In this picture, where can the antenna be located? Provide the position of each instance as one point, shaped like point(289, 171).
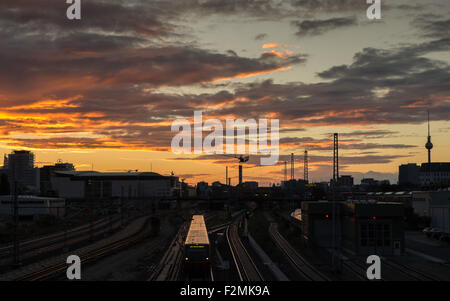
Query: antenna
point(305, 167)
point(226, 176)
point(285, 171)
point(292, 166)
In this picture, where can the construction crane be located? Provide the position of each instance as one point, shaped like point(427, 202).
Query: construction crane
point(242, 159)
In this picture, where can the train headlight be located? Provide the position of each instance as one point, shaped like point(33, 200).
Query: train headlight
point(186, 259)
point(207, 258)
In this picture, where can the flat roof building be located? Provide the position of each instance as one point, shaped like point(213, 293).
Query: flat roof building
point(82, 185)
point(20, 169)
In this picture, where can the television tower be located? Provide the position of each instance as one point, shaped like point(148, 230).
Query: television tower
point(429, 145)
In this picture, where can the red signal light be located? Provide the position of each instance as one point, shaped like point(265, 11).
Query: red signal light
point(374, 217)
point(327, 216)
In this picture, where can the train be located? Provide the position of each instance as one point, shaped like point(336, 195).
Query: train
point(196, 247)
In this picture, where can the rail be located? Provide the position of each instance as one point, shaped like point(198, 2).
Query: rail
point(245, 266)
point(300, 264)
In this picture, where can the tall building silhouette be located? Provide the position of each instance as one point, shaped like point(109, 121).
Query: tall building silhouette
point(20, 168)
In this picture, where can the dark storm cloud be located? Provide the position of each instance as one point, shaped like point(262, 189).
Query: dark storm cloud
point(108, 84)
point(369, 134)
point(331, 5)
point(318, 27)
point(430, 26)
point(115, 43)
point(380, 87)
point(267, 9)
point(153, 66)
point(116, 16)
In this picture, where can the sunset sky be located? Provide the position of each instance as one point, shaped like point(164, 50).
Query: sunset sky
point(104, 90)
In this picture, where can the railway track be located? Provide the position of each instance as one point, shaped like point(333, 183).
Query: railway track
point(355, 269)
point(245, 266)
point(36, 247)
point(211, 274)
point(169, 268)
point(415, 274)
point(57, 269)
point(302, 266)
point(218, 228)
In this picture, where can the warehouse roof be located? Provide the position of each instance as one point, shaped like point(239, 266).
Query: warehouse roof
point(109, 175)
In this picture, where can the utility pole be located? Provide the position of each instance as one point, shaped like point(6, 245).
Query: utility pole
point(292, 166)
point(305, 165)
point(306, 174)
point(240, 174)
point(91, 205)
point(285, 171)
point(121, 206)
point(16, 221)
point(336, 158)
point(226, 176)
point(65, 247)
point(335, 256)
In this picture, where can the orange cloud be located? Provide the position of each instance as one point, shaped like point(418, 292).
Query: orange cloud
point(250, 74)
point(279, 54)
point(270, 45)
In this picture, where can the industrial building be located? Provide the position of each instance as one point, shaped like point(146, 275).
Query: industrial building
point(84, 185)
point(32, 206)
point(364, 227)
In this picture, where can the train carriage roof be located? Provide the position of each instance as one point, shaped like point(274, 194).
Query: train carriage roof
point(198, 234)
